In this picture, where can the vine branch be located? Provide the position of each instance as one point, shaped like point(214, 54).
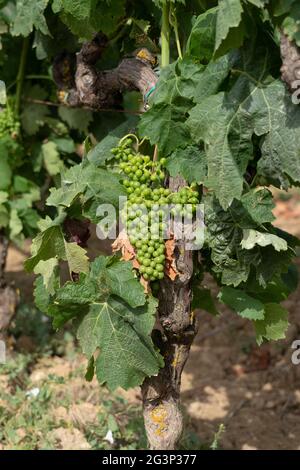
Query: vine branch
point(103, 89)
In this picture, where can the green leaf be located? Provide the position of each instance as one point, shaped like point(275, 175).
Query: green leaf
point(253, 237)
point(101, 153)
point(278, 119)
point(33, 117)
point(41, 295)
point(201, 42)
point(73, 183)
point(76, 118)
point(163, 125)
point(76, 258)
point(259, 205)
point(124, 284)
point(290, 24)
point(177, 83)
point(80, 9)
point(226, 132)
point(229, 18)
point(98, 15)
point(47, 244)
point(3, 196)
point(274, 325)
point(15, 224)
point(64, 145)
point(245, 305)
point(202, 299)
point(29, 15)
point(127, 354)
point(51, 158)
point(47, 269)
point(230, 262)
point(188, 162)
point(214, 74)
point(51, 244)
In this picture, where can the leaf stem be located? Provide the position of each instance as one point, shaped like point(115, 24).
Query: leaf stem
point(174, 23)
point(165, 35)
point(21, 72)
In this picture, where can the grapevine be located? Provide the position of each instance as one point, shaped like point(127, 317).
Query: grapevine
point(151, 108)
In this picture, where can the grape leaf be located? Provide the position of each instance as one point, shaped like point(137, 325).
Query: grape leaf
point(47, 271)
point(278, 119)
point(259, 205)
point(80, 9)
point(201, 42)
point(253, 237)
point(232, 264)
point(122, 334)
point(15, 224)
point(51, 158)
point(76, 118)
point(51, 244)
point(188, 162)
point(33, 117)
point(290, 24)
point(274, 325)
point(245, 305)
point(212, 77)
point(76, 257)
point(97, 186)
point(163, 123)
point(225, 129)
point(29, 15)
point(123, 283)
point(228, 26)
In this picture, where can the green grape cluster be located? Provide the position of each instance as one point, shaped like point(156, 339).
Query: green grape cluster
point(9, 124)
point(143, 179)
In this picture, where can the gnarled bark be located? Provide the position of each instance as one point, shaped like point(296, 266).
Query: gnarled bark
point(161, 394)
point(290, 70)
point(102, 89)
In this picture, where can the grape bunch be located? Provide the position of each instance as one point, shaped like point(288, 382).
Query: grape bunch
point(145, 213)
point(9, 124)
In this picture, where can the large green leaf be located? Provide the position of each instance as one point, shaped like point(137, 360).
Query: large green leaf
point(30, 14)
point(229, 26)
point(122, 335)
point(278, 120)
point(231, 262)
point(96, 185)
point(245, 305)
point(189, 162)
point(164, 122)
point(201, 42)
point(51, 244)
point(221, 123)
